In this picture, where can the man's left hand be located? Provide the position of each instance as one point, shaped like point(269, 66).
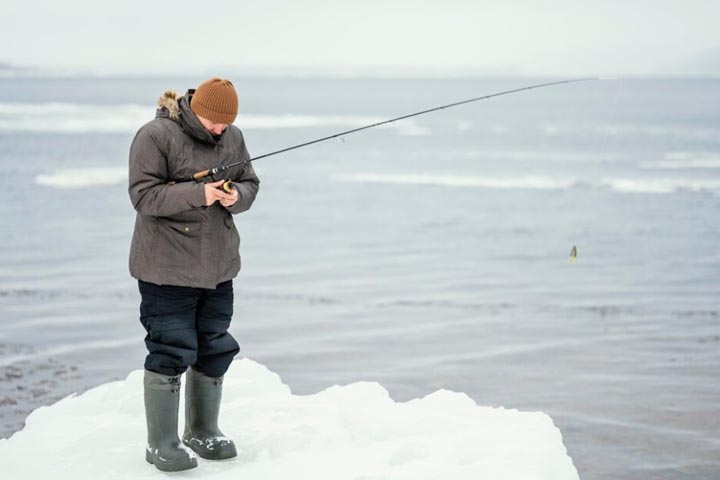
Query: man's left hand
point(227, 203)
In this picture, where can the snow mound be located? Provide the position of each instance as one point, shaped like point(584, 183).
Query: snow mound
point(354, 432)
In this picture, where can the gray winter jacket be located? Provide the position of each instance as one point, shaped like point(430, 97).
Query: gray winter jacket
point(177, 240)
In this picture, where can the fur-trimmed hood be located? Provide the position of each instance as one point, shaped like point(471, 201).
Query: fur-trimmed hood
point(176, 107)
point(169, 101)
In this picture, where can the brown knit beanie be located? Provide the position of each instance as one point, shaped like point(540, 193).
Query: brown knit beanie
point(216, 100)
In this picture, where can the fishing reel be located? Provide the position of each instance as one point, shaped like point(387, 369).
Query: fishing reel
point(227, 187)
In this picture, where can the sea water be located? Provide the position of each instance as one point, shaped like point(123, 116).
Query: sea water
point(430, 253)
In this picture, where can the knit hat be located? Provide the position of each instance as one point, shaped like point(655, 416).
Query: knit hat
point(216, 100)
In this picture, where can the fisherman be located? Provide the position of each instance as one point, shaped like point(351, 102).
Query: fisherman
point(184, 254)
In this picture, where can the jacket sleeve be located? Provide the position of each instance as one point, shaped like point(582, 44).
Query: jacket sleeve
point(148, 176)
point(246, 183)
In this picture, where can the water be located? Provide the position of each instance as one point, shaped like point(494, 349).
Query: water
point(429, 254)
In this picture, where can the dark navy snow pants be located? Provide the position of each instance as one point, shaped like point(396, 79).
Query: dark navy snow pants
point(187, 327)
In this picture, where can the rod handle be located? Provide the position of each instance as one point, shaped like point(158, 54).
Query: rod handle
point(200, 175)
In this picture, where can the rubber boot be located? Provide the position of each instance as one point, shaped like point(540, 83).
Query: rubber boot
point(202, 407)
point(162, 401)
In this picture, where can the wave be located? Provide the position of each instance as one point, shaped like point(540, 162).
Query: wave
point(529, 182)
point(72, 118)
point(685, 160)
point(682, 165)
point(620, 185)
point(661, 185)
point(548, 156)
point(83, 177)
point(678, 131)
point(83, 118)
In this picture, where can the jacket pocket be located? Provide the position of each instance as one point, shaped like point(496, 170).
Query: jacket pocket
point(179, 242)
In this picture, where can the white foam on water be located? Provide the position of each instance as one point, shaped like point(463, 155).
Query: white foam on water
point(679, 131)
point(620, 185)
point(530, 182)
point(522, 155)
point(685, 160)
point(661, 185)
point(83, 177)
point(681, 164)
point(73, 118)
point(349, 432)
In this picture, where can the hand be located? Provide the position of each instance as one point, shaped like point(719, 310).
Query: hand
point(213, 194)
point(227, 203)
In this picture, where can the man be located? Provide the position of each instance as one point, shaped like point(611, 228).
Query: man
point(184, 254)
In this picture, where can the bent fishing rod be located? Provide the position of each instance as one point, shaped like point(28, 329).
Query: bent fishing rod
point(212, 172)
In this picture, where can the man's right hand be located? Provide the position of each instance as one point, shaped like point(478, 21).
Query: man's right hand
point(213, 193)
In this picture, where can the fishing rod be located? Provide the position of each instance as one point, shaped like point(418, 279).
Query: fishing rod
point(212, 172)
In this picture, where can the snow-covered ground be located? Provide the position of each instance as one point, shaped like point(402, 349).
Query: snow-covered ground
point(354, 431)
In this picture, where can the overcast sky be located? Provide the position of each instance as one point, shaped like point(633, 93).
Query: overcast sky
point(604, 37)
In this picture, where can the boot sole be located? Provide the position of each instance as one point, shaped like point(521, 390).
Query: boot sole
point(169, 466)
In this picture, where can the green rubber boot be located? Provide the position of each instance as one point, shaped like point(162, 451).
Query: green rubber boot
point(162, 401)
point(202, 407)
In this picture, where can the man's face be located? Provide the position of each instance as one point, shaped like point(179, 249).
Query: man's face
point(213, 128)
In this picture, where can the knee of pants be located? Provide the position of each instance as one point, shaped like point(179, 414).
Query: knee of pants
point(215, 355)
point(169, 359)
point(171, 350)
point(217, 344)
point(213, 336)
